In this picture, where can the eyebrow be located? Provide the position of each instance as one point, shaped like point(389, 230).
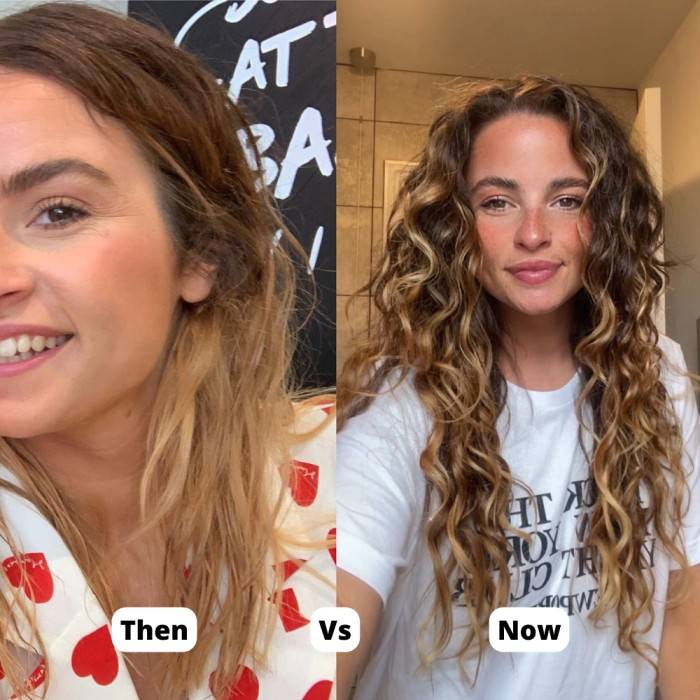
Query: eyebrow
point(507, 184)
point(35, 175)
point(493, 181)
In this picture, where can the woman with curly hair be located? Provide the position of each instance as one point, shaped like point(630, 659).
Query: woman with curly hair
point(152, 452)
point(515, 431)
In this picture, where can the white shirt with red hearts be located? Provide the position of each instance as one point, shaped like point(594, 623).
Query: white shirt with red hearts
point(381, 514)
point(82, 660)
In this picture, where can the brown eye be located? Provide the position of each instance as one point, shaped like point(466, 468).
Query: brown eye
point(495, 204)
point(59, 215)
point(570, 202)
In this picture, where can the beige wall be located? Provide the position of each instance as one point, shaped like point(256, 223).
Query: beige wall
point(677, 73)
point(384, 115)
point(8, 7)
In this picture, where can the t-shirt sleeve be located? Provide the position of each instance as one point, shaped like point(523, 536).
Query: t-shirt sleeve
point(683, 397)
point(380, 491)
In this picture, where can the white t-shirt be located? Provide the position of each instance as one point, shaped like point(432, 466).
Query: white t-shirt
point(381, 495)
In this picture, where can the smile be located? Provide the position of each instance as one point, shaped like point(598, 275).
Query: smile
point(23, 360)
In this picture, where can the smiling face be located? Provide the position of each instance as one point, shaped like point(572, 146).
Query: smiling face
point(526, 190)
point(85, 251)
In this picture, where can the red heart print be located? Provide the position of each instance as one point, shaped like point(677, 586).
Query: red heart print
point(34, 569)
point(247, 687)
point(319, 691)
point(289, 566)
point(289, 613)
point(36, 678)
point(327, 409)
point(303, 481)
point(94, 655)
point(331, 536)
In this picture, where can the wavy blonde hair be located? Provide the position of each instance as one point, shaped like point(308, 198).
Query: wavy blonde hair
point(431, 316)
point(223, 414)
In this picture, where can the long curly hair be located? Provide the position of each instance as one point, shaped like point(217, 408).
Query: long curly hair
point(432, 318)
point(223, 416)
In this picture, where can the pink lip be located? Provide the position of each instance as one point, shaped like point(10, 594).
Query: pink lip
point(10, 369)
point(535, 271)
point(10, 330)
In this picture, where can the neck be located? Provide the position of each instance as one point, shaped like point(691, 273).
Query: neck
point(99, 464)
point(536, 352)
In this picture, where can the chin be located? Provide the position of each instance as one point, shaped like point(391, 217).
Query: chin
point(538, 309)
point(536, 303)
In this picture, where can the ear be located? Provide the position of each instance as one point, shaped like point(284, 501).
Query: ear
point(196, 282)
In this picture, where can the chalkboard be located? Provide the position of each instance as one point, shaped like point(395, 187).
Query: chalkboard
point(277, 59)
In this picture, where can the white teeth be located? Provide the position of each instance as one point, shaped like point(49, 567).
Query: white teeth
point(8, 347)
point(25, 346)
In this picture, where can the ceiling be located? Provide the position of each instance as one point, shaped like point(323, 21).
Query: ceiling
point(611, 43)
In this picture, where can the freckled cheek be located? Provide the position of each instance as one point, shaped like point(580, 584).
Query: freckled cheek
point(586, 235)
point(489, 248)
point(493, 243)
point(579, 241)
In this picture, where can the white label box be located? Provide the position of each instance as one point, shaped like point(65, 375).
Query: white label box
point(334, 629)
point(529, 629)
point(154, 629)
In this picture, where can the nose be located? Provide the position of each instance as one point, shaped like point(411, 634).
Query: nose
point(16, 279)
point(532, 232)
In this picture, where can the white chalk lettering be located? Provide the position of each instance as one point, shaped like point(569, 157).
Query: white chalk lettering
point(239, 10)
point(264, 138)
point(249, 67)
point(195, 18)
point(307, 144)
point(315, 248)
point(281, 43)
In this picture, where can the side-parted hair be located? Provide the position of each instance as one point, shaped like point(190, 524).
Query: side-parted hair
point(432, 318)
point(223, 412)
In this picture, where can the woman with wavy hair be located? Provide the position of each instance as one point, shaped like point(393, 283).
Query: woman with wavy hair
point(151, 451)
point(515, 431)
